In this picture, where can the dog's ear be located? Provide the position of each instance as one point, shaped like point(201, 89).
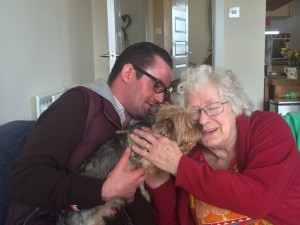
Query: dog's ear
point(169, 126)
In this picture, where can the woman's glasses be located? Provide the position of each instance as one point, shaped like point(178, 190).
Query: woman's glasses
point(158, 85)
point(212, 109)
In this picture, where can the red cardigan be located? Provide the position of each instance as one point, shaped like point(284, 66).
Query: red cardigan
point(267, 185)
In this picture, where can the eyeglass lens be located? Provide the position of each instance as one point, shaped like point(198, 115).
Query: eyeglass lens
point(213, 109)
point(158, 86)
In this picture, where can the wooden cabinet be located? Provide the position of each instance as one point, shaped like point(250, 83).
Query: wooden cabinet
point(274, 88)
point(284, 10)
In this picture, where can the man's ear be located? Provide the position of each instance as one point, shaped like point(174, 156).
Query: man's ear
point(127, 73)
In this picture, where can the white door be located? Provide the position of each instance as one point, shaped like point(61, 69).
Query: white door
point(180, 48)
point(114, 30)
point(179, 35)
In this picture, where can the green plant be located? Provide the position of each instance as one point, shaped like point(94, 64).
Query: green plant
point(291, 54)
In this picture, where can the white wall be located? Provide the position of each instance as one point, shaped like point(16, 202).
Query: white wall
point(137, 10)
point(239, 44)
point(50, 44)
point(199, 30)
point(100, 39)
point(45, 45)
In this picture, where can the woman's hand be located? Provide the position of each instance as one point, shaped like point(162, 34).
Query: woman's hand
point(161, 151)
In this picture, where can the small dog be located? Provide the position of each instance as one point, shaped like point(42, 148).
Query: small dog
point(177, 123)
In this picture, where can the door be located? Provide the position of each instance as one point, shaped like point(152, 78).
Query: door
point(178, 36)
point(180, 45)
point(114, 31)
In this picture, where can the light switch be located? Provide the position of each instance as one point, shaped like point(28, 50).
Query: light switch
point(158, 30)
point(234, 12)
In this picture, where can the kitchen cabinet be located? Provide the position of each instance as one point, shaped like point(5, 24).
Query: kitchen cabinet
point(284, 10)
point(275, 4)
point(275, 87)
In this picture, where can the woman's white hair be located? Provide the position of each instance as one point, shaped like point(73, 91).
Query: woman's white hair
point(194, 79)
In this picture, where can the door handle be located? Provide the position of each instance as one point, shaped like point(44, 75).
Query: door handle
point(106, 55)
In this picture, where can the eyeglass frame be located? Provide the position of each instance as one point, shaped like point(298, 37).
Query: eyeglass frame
point(157, 81)
point(204, 108)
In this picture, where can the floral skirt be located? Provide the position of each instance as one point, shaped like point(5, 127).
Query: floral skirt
point(205, 214)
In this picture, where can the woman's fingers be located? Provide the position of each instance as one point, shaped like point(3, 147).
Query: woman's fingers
point(147, 129)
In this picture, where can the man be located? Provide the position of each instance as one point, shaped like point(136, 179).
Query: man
point(71, 129)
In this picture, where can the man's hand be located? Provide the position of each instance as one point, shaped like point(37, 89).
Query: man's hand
point(122, 182)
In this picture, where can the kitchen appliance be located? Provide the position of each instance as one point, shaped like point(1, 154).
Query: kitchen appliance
point(279, 41)
point(283, 106)
point(273, 45)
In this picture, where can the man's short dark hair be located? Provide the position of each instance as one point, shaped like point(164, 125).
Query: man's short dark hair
point(141, 55)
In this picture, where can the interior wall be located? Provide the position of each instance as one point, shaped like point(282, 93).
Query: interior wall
point(240, 43)
point(137, 10)
point(199, 30)
point(50, 44)
point(158, 22)
point(100, 38)
point(45, 45)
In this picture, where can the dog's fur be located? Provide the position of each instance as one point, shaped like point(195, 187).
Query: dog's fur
point(177, 123)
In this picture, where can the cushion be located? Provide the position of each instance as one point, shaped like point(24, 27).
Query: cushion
point(12, 138)
point(293, 120)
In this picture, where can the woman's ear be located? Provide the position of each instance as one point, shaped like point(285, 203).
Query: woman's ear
point(127, 73)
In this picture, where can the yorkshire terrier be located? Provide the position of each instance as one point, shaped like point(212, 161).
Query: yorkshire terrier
point(172, 121)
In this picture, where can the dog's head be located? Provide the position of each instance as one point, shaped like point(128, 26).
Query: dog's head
point(178, 124)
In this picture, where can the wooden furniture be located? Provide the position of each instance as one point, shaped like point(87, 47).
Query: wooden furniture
point(284, 10)
point(275, 4)
point(278, 65)
point(275, 87)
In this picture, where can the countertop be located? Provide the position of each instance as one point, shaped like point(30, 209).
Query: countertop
point(285, 101)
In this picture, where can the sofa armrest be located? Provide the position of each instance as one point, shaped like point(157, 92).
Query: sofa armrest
point(12, 138)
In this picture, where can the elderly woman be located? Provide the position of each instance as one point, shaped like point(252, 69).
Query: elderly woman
point(245, 169)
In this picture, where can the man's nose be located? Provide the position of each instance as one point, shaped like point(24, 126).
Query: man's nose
point(159, 98)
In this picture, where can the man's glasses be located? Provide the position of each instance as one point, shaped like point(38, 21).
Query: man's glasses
point(158, 85)
point(212, 109)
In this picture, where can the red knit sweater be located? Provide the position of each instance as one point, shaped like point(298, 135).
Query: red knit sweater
point(267, 185)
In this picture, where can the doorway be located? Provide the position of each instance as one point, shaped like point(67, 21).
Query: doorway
point(147, 24)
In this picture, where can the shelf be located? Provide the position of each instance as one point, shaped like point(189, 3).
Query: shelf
point(283, 81)
point(274, 88)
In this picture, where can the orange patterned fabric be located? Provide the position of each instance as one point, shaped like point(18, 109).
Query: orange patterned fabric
point(205, 214)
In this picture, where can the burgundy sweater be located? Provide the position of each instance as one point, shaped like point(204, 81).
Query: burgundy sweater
point(267, 185)
point(42, 174)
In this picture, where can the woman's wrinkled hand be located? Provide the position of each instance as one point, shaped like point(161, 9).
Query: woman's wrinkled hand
point(161, 151)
